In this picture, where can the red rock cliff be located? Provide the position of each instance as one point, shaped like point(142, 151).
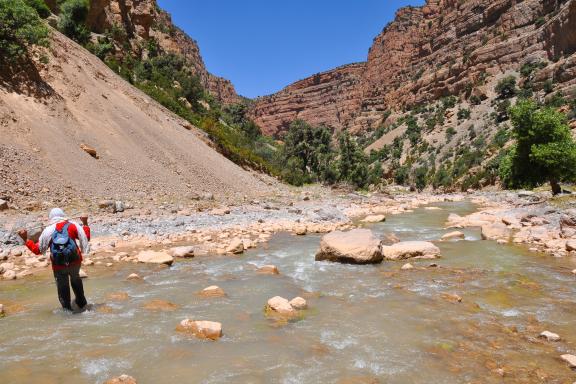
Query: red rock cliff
point(442, 48)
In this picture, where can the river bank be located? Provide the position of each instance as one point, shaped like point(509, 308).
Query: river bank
point(527, 218)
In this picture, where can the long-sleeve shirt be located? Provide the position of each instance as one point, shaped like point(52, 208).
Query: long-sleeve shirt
point(80, 237)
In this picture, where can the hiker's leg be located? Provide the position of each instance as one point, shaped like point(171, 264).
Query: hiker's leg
point(77, 286)
point(63, 286)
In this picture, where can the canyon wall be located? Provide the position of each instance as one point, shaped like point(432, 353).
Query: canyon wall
point(446, 47)
point(143, 20)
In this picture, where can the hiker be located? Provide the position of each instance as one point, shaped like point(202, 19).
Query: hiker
point(65, 254)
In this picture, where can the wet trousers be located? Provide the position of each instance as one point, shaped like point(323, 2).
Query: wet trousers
point(66, 277)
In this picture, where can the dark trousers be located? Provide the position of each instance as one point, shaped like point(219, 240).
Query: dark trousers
point(66, 277)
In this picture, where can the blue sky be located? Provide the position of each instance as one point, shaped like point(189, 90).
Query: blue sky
point(264, 45)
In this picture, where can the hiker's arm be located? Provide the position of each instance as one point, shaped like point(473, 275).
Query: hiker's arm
point(83, 240)
point(86, 228)
point(32, 246)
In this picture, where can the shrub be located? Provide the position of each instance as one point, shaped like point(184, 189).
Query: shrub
point(548, 86)
point(450, 132)
point(72, 21)
point(501, 137)
point(420, 178)
point(506, 87)
point(463, 114)
point(401, 175)
point(40, 7)
point(501, 112)
point(352, 163)
point(20, 27)
point(475, 100)
point(540, 21)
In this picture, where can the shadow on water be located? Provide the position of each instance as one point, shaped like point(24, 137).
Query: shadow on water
point(365, 323)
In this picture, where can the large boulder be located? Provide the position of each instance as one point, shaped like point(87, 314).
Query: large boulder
point(496, 231)
point(411, 250)
point(358, 246)
point(184, 252)
point(153, 257)
point(201, 329)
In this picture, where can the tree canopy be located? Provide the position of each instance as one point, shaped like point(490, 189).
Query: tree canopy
point(20, 27)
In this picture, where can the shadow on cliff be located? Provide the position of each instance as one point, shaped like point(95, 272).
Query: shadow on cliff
point(22, 77)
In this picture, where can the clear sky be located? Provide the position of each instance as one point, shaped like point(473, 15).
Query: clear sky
point(264, 45)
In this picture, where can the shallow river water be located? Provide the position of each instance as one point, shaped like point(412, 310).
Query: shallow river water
point(365, 324)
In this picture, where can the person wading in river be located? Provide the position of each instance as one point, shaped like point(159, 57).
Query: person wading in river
point(62, 237)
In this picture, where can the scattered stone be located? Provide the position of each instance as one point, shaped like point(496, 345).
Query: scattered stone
point(571, 245)
point(88, 262)
point(153, 257)
point(82, 274)
point(298, 303)
point(358, 246)
point(89, 150)
point(300, 230)
point(456, 235)
point(452, 297)
point(104, 204)
point(122, 379)
point(213, 291)
point(371, 219)
point(574, 272)
point(570, 359)
point(133, 277)
point(281, 306)
point(183, 252)
point(2, 314)
point(496, 231)
point(202, 329)
point(16, 252)
point(269, 270)
point(550, 336)
point(3, 205)
point(411, 249)
point(236, 246)
point(119, 207)
point(160, 305)
point(9, 275)
point(109, 265)
point(117, 296)
point(407, 266)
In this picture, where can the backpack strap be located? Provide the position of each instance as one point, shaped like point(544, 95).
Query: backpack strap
point(64, 228)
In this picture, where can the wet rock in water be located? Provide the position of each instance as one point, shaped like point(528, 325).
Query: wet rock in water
point(300, 230)
point(571, 245)
point(570, 359)
point(496, 231)
point(82, 274)
point(411, 249)
point(160, 305)
point(117, 296)
point(269, 270)
point(298, 303)
point(134, 277)
point(358, 246)
point(183, 252)
point(122, 379)
point(202, 329)
point(452, 297)
point(374, 219)
point(2, 314)
point(433, 208)
point(281, 306)
point(550, 336)
point(213, 291)
point(456, 235)
point(574, 272)
point(236, 246)
point(389, 239)
point(153, 257)
point(407, 267)
point(88, 262)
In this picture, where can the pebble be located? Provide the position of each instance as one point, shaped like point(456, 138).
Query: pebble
point(550, 336)
point(122, 379)
point(133, 276)
point(109, 264)
point(574, 272)
point(298, 303)
point(82, 274)
point(269, 269)
point(213, 291)
point(2, 310)
point(201, 329)
point(407, 266)
point(9, 275)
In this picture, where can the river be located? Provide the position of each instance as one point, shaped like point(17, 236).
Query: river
point(365, 324)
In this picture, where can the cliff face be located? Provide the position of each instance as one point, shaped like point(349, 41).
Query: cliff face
point(446, 47)
point(142, 20)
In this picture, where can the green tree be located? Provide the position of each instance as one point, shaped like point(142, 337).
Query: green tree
point(20, 27)
point(353, 163)
point(544, 151)
point(420, 178)
point(72, 21)
point(40, 7)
